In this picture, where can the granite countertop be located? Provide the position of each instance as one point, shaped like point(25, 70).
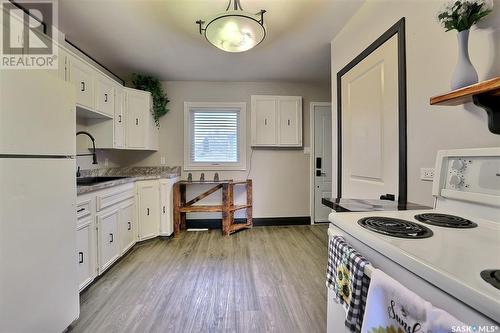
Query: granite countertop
point(132, 174)
point(368, 205)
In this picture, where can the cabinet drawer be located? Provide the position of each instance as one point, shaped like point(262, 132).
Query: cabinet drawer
point(115, 196)
point(83, 209)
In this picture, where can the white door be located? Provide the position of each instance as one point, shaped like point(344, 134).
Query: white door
point(109, 249)
point(322, 160)
point(290, 118)
point(148, 209)
point(82, 78)
point(370, 125)
point(264, 117)
point(84, 248)
point(119, 120)
point(127, 226)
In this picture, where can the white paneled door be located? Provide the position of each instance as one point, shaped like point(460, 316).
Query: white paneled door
point(322, 159)
point(370, 125)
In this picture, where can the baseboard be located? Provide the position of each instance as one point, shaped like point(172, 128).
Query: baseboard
point(257, 222)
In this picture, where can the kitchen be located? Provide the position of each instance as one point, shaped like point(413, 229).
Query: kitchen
point(128, 212)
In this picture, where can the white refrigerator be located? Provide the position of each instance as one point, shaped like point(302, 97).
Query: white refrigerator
point(38, 260)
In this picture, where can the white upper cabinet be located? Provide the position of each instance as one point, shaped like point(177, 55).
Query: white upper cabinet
point(276, 121)
point(141, 131)
point(119, 118)
point(137, 106)
point(81, 75)
point(264, 114)
point(290, 121)
point(104, 95)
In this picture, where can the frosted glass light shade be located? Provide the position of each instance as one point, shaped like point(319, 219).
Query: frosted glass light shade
point(235, 31)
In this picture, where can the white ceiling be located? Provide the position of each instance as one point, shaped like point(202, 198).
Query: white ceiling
point(160, 37)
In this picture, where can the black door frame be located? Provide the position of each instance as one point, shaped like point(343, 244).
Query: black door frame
point(399, 30)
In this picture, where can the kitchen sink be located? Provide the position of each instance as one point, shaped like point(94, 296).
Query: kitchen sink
point(87, 181)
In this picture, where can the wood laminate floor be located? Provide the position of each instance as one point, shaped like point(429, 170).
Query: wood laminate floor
point(267, 279)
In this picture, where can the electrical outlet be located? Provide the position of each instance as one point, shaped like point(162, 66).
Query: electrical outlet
point(163, 160)
point(427, 174)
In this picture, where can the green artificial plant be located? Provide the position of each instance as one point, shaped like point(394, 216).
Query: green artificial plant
point(153, 85)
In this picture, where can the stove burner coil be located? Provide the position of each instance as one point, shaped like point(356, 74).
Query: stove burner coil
point(445, 220)
point(395, 227)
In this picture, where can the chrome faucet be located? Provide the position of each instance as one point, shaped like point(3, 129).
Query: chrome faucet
point(94, 156)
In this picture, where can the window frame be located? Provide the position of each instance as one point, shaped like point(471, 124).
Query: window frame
point(190, 165)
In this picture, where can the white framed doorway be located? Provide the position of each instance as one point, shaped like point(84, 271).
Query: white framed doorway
point(321, 163)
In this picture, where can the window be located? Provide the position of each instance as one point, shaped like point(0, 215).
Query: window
point(214, 136)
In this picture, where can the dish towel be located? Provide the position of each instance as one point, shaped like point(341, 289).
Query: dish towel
point(345, 276)
point(392, 308)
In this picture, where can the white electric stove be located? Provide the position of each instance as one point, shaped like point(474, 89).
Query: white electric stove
point(449, 255)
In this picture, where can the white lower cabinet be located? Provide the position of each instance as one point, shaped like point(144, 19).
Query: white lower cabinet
point(166, 213)
point(148, 208)
point(128, 228)
point(107, 235)
point(85, 250)
point(112, 220)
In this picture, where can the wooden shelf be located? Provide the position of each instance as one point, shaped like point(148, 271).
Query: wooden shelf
point(484, 94)
point(464, 95)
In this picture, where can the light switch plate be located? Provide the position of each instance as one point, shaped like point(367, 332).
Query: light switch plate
point(427, 174)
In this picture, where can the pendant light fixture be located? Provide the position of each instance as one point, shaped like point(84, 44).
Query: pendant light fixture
point(234, 30)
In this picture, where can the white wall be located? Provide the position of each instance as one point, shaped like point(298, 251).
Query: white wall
point(431, 56)
point(280, 177)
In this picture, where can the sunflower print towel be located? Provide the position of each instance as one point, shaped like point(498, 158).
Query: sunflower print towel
point(345, 276)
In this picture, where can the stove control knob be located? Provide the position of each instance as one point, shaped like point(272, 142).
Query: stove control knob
point(456, 181)
point(458, 165)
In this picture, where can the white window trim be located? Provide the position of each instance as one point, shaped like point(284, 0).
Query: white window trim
point(193, 166)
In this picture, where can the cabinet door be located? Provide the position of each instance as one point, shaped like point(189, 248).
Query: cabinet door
point(290, 119)
point(264, 114)
point(104, 95)
point(109, 249)
point(119, 120)
point(85, 250)
point(148, 209)
point(166, 223)
point(81, 75)
point(137, 108)
point(128, 230)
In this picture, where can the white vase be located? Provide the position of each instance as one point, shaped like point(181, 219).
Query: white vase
point(465, 74)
